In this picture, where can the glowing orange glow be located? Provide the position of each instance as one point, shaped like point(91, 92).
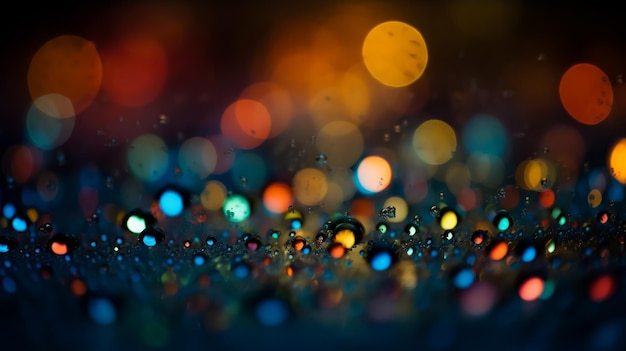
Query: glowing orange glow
point(586, 93)
point(602, 288)
point(547, 198)
point(78, 287)
point(337, 250)
point(246, 122)
point(499, 251)
point(395, 53)
point(135, 71)
point(276, 99)
point(617, 161)
point(59, 248)
point(531, 289)
point(277, 197)
point(67, 65)
point(374, 174)
point(298, 245)
point(362, 207)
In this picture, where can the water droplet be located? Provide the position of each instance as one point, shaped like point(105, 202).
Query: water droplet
point(210, 240)
point(545, 183)
point(163, 119)
point(397, 128)
point(7, 243)
point(386, 137)
point(151, 236)
point(479, 236)
point(434, 211)
point(387, 212)
point(321, 160)
point(62, 244)
point(347, 230)
point(46, 227)
point(541, 57)
point(501, 193)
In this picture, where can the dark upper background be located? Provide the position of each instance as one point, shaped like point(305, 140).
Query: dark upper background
point(230, 34)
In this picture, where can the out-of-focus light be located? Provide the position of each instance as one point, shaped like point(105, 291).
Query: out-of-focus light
point(148, 157)
point(247, 123)
point(271, 312)
point(478, 299)
point(547, 198)
point(498, 250)
point(434, 142)
point(213, 195)
point(602, 288)
point(197, 157)
point(309, 186)
point(617, 161)
point(276, 99)
point(68, 66)
point(135, 221)
point(135, 70)
point(400, 206)
point(373, 174)
point(9, 210)
point(395, 53)
point(464, 278)
point(594, 198)
point(236, 208)
point(485, 134)
point(171, 202)
point(45, 129)
point(586, 93)
point(277, 197)
point(531, 289)
point(102, 311)
point(448, 219)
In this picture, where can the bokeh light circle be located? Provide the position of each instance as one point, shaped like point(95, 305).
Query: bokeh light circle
point(395, 53)
point(435, 142)
point(617, 161)
point(309, 186)
point(67, 65)
point(197, 157)
point(373, 174)
point(148, 157)
point(586, 93)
